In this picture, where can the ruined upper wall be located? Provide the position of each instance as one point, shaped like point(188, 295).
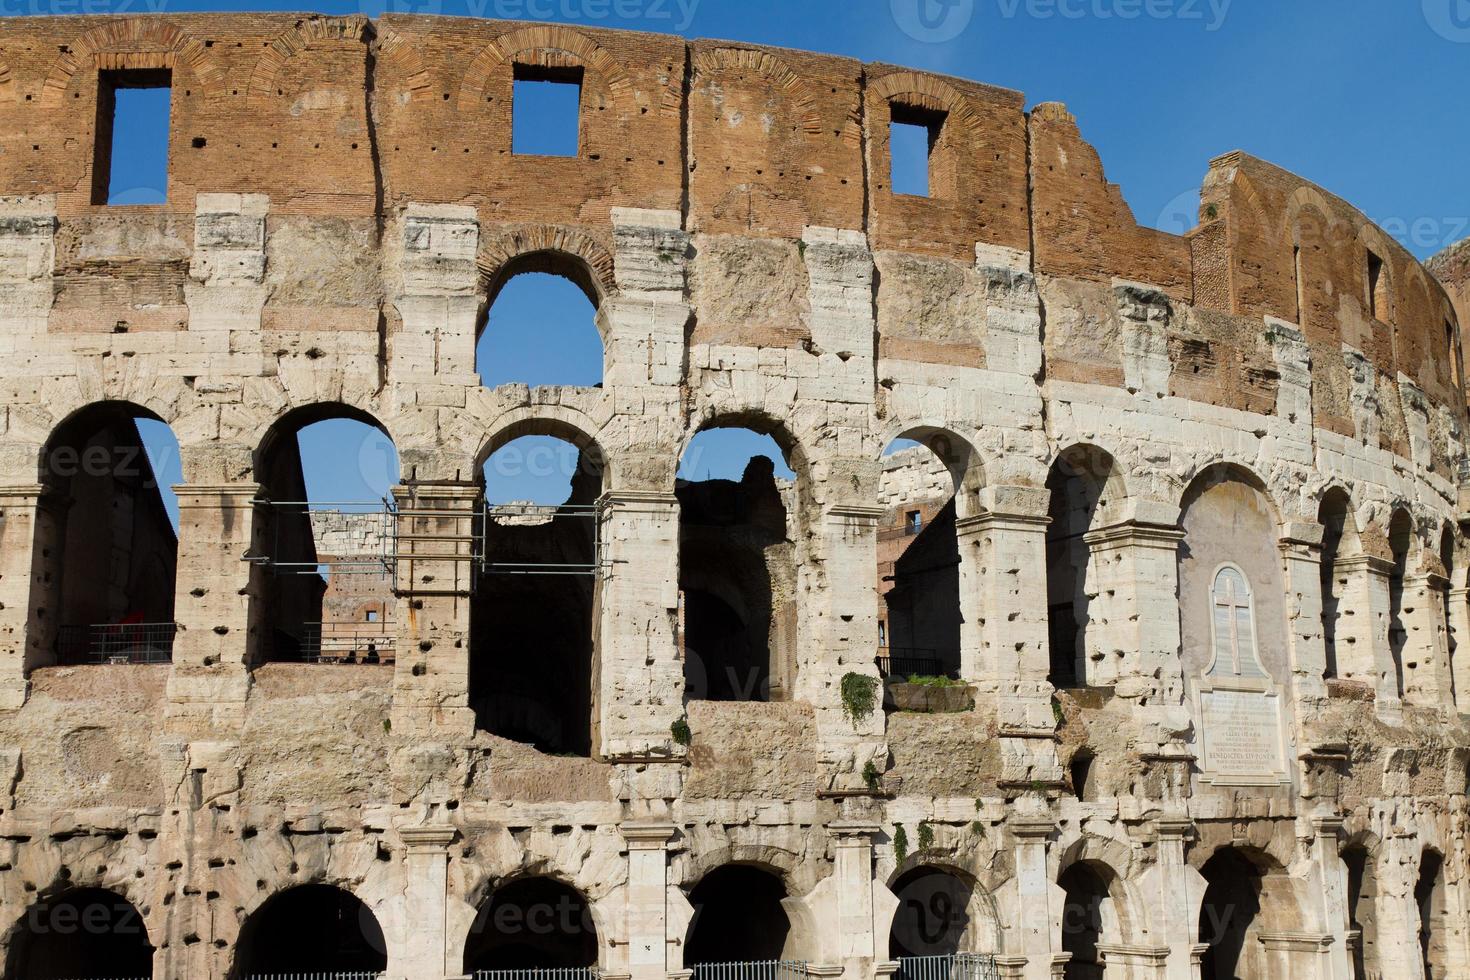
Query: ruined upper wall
point(350, 120)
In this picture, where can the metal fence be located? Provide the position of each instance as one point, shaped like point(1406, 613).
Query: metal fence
point(751, 970)
point(951, 966)
point(500, 518)
point(116, 643)
point(359, 975)
point(901, 662)
point(538, 973)
point(348, 643)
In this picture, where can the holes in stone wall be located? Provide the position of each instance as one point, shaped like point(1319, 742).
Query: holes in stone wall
point(546, 111)
point(130, 159)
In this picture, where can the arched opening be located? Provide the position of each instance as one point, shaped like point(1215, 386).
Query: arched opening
point(1080, 485)
point(1434, 925)
point(82, 932)
point(310, 929)
point(1400, 544)
point(1087, 886)
point(934, 915)
point(739, 915)
point(532, 923)
point(1339, 540)
point(919, 618)
point(326, 539)
point(737, 567)
point(108, 534)
point(540, 326)
point(1242, 892)
point(1362, 897)
point(533, 613)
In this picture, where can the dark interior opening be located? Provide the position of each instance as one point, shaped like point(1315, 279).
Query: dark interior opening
point(83, 932)
point(1086, 890)
point(310, 929)
point(933, 913)
point(1232, 902)
point(532, 923)
point(737, 916)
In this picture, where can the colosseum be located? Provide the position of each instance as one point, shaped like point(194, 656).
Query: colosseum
point(1107, 628)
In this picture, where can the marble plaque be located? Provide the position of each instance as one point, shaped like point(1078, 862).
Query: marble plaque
point(1242, 736)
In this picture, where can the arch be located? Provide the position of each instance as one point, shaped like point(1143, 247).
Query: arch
point(287, 425)
point(1102, 905)
point(1245, 888)
point(925, 92)
point(1401, 546)
point(560, 251)
point(395, 48)
point(80, 932)
point(557, 421)
point(959, 455)
point(757, 61)
point(1435, 926)
point(288, 44)
point(1222, 471)
point(1083, 485)
point(310, 928)
point(776, 860)
point(7, 88)
point(741, 912)
point(532, 921)
point(757, 420)
point(941, 909)
point(128, 37)
point(1360, 863)
point(1339, 540)
point(543, 37)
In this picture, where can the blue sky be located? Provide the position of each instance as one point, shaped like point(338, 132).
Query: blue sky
point(1364, 97)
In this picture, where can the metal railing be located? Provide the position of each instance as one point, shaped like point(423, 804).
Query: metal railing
point(346, 537)
point(507, 516)
point(348, 643)
point(751, 970)
point(949, 966)
point(116, 643)
point(901, 662)
point(539, 973)
point(357, 975)
point(905, 530)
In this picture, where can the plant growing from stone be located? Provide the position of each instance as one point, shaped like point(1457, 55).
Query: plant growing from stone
point(859, 696)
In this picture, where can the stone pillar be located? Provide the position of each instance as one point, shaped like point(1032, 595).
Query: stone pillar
point(436, 567)
point(1331, 894)
point(842, 627)
point(29, 545)
point(1363, 651)
point(440, 300)
point(652, 953)
point(424, 950)
point(226, 289)
point(27, 263)
point(1459, 625)
point(857, 940)
point(1301, 556)
point(1035, 935)
point(639, 678)
point(1135, 575)
point(1426, 651)
point(217, 604)
point(1172, 892)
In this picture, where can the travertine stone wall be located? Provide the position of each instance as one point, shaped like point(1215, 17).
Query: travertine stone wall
point(343, 206)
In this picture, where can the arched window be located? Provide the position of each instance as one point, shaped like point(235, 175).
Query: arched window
point(533, 923)
point(737, 554)
point(933, 917)
point(1234, 626)
point(83, 932)
point(310, 929)
point(738, 915)
point(541, 326)
point(1339, 540)
point(109, 531)
point(1078, 485)
point(1400, 543)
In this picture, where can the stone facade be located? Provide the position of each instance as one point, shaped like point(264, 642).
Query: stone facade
point(1252, 436)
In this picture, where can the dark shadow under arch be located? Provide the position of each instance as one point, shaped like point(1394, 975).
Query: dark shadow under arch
point(933, 914)
point(81, 932)
point(530, 923)
point(738, 915)
point(310, 929)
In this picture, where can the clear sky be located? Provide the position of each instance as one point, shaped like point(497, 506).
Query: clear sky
point(1364, 97)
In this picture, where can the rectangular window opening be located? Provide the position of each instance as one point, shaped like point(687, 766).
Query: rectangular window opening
point(914, 521)
point(1451, 342)
point(1375, 280)
point(372, 615)
point(912, 135)
point(546, 112)
point(1296, 260)
point(130, 160)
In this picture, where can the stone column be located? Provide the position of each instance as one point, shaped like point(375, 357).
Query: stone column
point(217, 602)
point(857, 941)
point(843, 629)
point(1035, 933)
point(440, 300)
point(29, 543)
point(1301, 556)
point(651, 955)
point(1363, 651)
point(424, 950)
point(1459, 624)
point(639, 680)
point(436, 567)
point(1331, 894)
point(1172, 892)
point(1426, 651)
